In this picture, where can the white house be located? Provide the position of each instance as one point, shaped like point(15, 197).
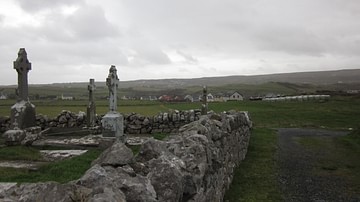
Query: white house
point(210, 97)
point(236, 96)
point(66, 97)
point(189, 98)
point(221, 97)
point(3, 97)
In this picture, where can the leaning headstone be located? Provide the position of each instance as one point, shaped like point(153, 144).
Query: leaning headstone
point(113, 121)
point(204, 106)
point(23, 112)
point(91, 108)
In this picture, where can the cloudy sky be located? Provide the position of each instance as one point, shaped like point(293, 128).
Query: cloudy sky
point(74, 40)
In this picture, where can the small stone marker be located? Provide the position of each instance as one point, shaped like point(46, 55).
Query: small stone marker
point(23, 112)
point(204, 106)
point(91, 108)
point(113, 121)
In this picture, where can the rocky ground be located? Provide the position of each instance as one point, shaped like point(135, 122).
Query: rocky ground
point(297, 180)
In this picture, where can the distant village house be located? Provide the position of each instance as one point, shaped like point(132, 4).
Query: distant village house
point(189, 98)
point(210, 98)
point(236, 96)
point(66, 97)
point(3, 97)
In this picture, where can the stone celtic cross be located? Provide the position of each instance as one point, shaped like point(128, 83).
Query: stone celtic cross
point(204, 106)
point(91, 88)
point(112, 81)
point(22, 113)
point(22, 66)
point(91, 108)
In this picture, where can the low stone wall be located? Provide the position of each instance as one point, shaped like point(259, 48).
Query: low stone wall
point(66, 119)
point(197, 164)
point(165, 122)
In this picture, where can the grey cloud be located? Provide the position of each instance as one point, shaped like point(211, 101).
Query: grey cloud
point(144, 52)
point(150, 56)
point(91, 23)
point(289, 39)
point(296, 28)
point(189, 58)
point(39, 5)
point(87, 23)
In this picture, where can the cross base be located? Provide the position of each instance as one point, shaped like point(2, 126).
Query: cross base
point(23, 115)
point(113, 126)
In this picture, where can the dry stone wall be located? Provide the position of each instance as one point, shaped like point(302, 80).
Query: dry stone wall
point(197, 164)
point(164, 122)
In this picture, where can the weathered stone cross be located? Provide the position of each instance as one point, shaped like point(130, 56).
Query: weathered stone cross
point(22, 66)
point(91, 88)
point(113, 121)
point(91, 108)
point(22, 113)
point(204, 106)
point(112, 81)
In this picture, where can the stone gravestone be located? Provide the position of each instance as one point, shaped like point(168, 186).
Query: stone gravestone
point(23, 112)
point(204, 106)
point(91, 108)
point(113, 121)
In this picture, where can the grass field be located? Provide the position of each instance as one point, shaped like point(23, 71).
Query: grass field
point(255, 179)
point(338, 113)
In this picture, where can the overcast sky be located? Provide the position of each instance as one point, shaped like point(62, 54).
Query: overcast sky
point(74, 40)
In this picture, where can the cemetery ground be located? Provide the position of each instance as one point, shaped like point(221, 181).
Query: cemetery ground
point(256, 179)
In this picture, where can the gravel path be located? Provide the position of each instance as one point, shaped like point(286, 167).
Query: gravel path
point(295, 176)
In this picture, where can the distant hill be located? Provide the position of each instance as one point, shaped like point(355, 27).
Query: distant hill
point(286, 83)
point(316, 78)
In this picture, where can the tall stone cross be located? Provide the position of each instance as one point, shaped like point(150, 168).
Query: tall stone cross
point(91, 108)
point(22, 113)
point(113, 121)
point(22, 66)
point(204, 106)
point(112, 81)
point(91, 88)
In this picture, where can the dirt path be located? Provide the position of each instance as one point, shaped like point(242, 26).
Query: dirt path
point(296, 177)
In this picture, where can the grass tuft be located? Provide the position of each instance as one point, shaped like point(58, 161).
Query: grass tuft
point(160, 136)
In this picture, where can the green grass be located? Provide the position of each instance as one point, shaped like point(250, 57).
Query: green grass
point(19, 153)
point(255, 178)
point(160, 136)
point(62, 171)
point(338, 113)
point(134, 148)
